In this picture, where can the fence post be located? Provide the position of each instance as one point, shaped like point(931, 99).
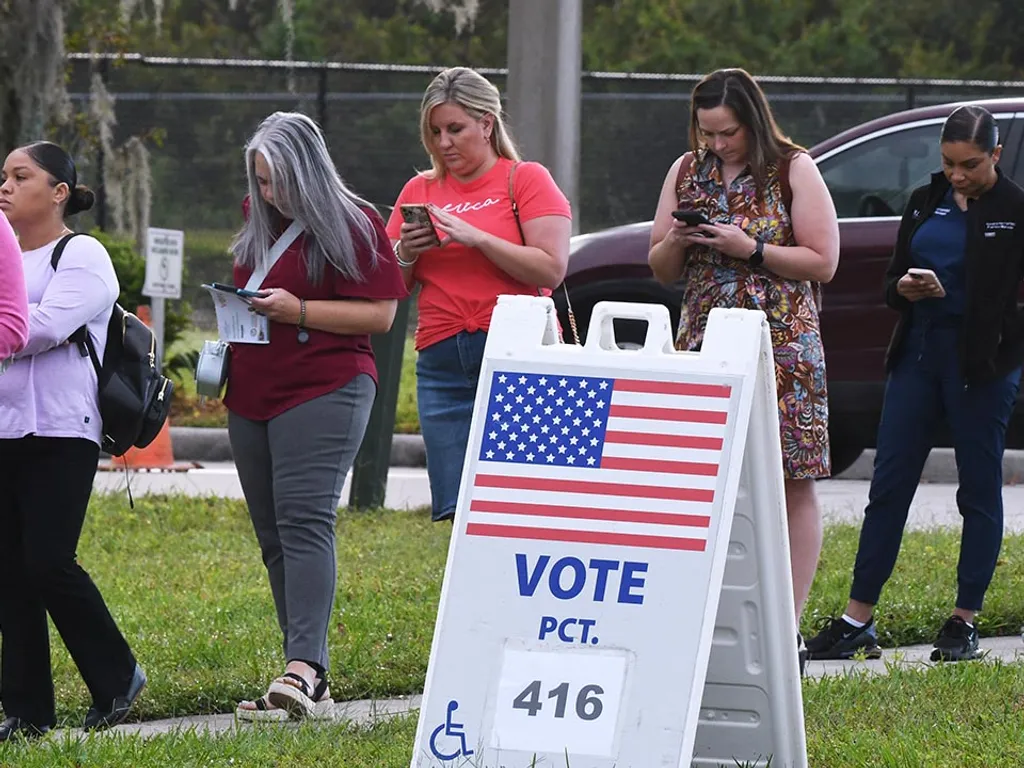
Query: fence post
point(101, 188)
point(370, 470)
point(321, 99)
point(911, 96)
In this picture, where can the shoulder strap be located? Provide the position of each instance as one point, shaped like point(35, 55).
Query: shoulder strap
point(512, 199)
point(81, 336)
point(276, 251)
point(58, 250)
point(684, 168)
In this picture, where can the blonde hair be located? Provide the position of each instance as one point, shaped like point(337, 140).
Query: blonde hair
point(478, 97)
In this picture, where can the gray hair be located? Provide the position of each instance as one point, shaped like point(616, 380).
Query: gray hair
point(306, 187)
point(478, 97)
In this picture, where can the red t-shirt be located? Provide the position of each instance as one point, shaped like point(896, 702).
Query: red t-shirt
point(265, 380)
point(460, 286)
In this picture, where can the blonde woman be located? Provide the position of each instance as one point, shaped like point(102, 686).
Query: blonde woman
point(498, 226)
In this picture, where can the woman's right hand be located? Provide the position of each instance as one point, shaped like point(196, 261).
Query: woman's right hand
point(915, 289)
point(416, 239)
point(682, 235)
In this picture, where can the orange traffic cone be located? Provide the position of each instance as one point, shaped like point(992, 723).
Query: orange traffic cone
point(158, 455)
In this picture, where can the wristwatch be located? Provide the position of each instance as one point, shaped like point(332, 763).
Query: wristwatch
point(757, 257)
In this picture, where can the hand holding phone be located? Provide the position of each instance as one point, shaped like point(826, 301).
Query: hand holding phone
point(920, 283)
point(419, 215)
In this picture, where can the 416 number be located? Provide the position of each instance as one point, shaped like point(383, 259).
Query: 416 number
point(588, 703)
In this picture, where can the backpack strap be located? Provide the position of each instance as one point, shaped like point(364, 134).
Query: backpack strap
point(512, 199)
point(80, 337)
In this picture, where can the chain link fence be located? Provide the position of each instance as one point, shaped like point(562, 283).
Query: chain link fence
point(197, 114)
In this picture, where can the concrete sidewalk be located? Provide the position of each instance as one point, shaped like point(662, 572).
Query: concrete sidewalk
point(368, 712)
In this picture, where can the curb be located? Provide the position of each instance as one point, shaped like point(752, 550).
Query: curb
point(211, 444)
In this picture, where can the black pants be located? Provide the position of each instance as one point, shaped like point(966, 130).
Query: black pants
point(45, 484)
point(925, 387)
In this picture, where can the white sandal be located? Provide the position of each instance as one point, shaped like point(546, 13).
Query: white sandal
point(320, 705)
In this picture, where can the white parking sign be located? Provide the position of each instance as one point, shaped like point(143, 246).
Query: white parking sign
point(590, 543)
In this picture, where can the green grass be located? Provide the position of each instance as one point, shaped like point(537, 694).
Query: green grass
point(184, 579)
point(946, 717)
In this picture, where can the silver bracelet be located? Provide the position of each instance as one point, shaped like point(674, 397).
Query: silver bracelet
point(398, 257)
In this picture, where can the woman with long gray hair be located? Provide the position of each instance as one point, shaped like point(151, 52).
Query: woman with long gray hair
point(298, 405)
point(489, 224)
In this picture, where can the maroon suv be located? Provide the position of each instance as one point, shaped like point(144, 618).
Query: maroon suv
point(870, 171)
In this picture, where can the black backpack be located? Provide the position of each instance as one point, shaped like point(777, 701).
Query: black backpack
point(134, 397)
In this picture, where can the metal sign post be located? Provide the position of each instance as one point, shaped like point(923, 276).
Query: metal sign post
point(165, 252)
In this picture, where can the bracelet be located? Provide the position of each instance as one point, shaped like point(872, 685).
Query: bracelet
point(398, 256)
point(302, 313)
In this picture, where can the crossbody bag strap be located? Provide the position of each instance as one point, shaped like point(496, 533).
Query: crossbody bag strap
point(276, 252)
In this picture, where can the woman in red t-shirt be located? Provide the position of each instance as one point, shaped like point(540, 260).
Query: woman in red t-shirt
point(477, 249)
point(298, 406)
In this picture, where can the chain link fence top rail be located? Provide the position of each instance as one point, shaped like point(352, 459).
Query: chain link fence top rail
point(198, 113)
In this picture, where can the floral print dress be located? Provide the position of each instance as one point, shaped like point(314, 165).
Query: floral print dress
point(711, 279)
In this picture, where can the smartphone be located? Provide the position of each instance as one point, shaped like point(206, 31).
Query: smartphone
point(418, 214)
point(692, 218)
point(238, 291)
point(928, 276)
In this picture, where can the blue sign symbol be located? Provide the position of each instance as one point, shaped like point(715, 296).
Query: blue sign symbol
point(453, 729)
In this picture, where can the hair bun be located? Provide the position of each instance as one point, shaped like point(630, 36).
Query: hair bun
point(82, 199)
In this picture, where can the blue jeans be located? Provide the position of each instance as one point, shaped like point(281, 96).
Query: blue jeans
point(925, 387)
point(446, 379)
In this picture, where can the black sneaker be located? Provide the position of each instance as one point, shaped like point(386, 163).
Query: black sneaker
point(840, 640)
point(801, 653)
point(957, 641)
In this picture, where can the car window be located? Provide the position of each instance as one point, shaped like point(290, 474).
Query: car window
point(876, 177)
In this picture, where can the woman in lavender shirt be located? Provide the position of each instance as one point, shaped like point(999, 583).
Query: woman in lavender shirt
point(49, 446)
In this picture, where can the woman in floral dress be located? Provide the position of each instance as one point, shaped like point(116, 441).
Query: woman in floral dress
point(772, 240)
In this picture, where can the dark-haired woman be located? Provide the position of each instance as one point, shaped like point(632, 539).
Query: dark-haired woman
point(49, 446)
point(773, 236)
point(955, 356)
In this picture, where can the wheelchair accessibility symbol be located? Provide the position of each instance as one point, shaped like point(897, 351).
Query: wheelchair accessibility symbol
point(452, 730)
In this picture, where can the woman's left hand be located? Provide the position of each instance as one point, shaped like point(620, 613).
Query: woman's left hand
point(456, 229)
point(278, 305)
point(730, 240)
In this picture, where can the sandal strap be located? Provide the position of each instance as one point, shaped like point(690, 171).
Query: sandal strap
point(302, 684)
point(321, 689)
point(262, 705)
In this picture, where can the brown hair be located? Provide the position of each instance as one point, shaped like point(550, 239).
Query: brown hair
point(736, 89)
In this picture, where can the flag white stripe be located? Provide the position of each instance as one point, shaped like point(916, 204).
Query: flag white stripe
point(661, 427)
point(593, 501)
point(591, 475)
point(631, 451)
point(686, 402)
point(602, 526)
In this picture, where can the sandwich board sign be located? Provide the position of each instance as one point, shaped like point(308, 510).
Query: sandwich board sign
point(617, 592)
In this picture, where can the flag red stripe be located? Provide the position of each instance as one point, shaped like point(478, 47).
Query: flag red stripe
point(657, 465)
point(586, 537)
point(672, 388)
point(603, 489)
point(667, 441)
point(585, 513)
point(668, 414)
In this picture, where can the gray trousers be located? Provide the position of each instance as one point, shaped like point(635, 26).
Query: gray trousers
point(292, 469)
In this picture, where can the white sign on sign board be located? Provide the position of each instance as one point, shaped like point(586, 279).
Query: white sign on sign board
point(165, 250)
point(591, 538)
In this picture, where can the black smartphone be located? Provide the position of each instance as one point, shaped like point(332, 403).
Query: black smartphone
point(692, 218)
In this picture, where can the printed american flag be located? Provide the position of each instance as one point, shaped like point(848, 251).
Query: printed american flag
point(620, 461)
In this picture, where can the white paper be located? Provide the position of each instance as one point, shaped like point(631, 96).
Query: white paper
point(237, 321)
point(579, 698)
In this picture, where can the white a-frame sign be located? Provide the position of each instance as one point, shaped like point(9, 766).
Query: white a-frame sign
point(618, 592)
